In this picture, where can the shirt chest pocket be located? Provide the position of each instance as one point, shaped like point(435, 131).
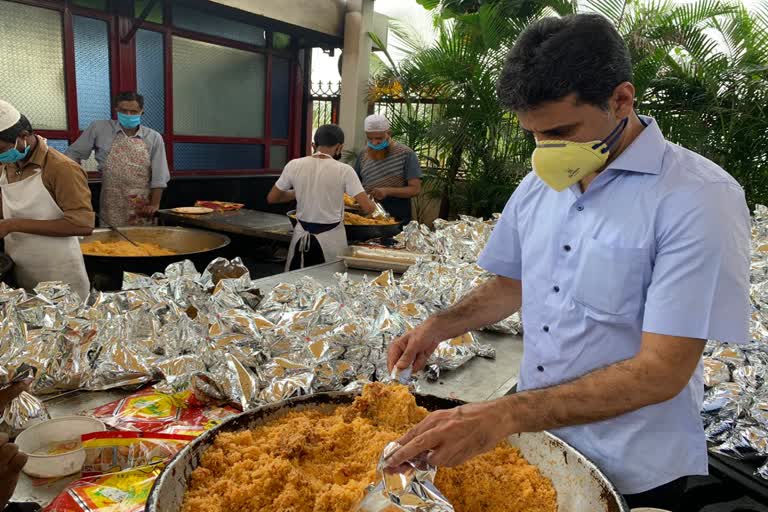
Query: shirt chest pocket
point(610, 279)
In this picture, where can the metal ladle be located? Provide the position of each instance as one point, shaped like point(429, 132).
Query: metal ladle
point(113, 228)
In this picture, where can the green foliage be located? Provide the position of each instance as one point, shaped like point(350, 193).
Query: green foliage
point(700, 68)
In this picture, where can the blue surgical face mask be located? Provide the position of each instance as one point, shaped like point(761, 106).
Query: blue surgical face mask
point(129, 121)
point(13, 155)
point(381, 145)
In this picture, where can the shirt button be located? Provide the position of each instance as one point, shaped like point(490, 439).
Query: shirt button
point(556, 289)
point(580, 208)
point(567, 248)
point(545, 328)
point(540, 368)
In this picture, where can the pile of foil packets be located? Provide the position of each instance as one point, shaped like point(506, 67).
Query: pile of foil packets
point(735, 408)
point(451, 272)
point(218, 336)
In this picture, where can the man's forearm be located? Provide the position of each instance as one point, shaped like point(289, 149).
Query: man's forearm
point(402, 192)
point(486, 305)
point(617, 389)
point(155, 195)
point(57, 227)
point(277, 196)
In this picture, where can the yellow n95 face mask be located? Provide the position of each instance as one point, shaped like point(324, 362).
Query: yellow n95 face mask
point(561, 163)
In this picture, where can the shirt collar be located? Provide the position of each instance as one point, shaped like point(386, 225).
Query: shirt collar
point(39, 154)
point(646, 153)
point(116, 128)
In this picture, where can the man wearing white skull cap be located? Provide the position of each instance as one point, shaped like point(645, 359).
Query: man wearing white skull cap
point(46, 205)
point(389, 171)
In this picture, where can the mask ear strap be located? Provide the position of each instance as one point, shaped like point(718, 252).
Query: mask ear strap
point(613, 137)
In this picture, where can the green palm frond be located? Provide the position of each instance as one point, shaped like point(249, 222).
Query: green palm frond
point(700, 11)
point(406, 38)
point(614, 10)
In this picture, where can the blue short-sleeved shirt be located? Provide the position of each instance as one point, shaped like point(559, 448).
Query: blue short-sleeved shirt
point(659, 242)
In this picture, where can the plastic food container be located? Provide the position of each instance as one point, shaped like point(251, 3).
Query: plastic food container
point(53, 447)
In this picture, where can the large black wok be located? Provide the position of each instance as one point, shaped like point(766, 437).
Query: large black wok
point(197, 245)
point(6, 266)
point(357, 233)
point(580, 485)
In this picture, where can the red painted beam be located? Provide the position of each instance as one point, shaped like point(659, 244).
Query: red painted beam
point(268, 111)
point(219, 140)
point(53, 134)
point(168, 56)
point(126, 55)
point(70, 87)
point(226, 172)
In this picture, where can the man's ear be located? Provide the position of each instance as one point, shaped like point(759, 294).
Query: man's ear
point(624, 99)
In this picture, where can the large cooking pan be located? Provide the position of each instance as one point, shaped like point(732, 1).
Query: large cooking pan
point(360, 233)
point(6, 266)
point(197, 245)
point(580, 485)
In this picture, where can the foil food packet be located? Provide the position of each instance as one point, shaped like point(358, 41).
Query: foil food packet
point(24, 411)
point(412, 490)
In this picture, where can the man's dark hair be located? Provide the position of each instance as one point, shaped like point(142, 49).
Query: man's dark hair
point(129, 96)
point(14, 132)
point(329, 135)
point(580, 54)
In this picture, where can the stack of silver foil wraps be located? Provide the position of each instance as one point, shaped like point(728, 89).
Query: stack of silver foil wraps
point(215, 334)
point(455, 247)
point(735, 409)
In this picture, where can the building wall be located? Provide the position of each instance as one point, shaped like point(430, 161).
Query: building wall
point(225, 90)
point(325, 16)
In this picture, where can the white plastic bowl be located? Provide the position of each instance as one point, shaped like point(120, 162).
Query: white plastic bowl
point(57, 430)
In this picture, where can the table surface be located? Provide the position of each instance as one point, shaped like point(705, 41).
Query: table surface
point(479, 379)
point(246, 222)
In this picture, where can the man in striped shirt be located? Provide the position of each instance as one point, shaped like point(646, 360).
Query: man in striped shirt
point(389, 171)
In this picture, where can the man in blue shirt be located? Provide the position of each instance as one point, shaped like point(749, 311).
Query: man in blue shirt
point(132, 161)
point(626, 253)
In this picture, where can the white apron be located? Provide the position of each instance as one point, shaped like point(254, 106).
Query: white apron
point(39, 258)
point(333, 242)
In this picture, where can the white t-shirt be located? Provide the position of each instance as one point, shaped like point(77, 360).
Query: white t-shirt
point(320, 183)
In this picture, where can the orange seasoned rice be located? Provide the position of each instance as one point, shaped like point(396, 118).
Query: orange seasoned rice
point(316, 460)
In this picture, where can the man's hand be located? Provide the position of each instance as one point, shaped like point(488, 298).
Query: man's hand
point(379, 194)
point(414, 348)
point(487, 304)
point(453, 436)
point(11, 460)
point(147, 210)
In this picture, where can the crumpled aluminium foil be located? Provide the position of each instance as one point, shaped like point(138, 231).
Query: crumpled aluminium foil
point(215, 335)
point(715, 372)
point(412, 490)
point(735, 410)
point(455, 247)
point(24, 411)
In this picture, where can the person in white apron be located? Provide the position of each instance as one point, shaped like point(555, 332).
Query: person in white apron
point(318, 183)
point(46, 205)
point(132, 161)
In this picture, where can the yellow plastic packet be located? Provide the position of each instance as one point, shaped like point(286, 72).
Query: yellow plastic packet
point(125, 491)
